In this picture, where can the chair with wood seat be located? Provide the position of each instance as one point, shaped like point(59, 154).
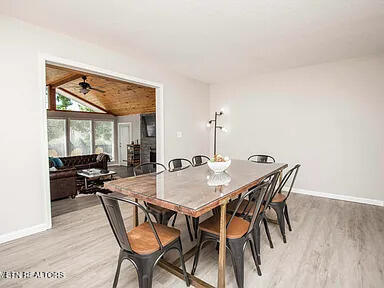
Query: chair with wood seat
point(175, 165)
point(246, 208)
point(239, 233)
point(143, 245)
point(260, 158)
point(279, 200)
point(199, 160)
point(178, 164)
point(162, 215)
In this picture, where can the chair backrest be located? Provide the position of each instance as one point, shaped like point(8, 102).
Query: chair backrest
point(198, 160)
point(177, 164)
point(290, 175)
point(149, 167)
point(261, 158)
point(111, 207)
point(257, 194)
point(272, 180)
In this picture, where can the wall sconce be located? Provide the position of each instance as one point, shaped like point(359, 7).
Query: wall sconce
point(214, 122)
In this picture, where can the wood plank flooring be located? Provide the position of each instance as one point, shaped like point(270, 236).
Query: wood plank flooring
point(333, 244)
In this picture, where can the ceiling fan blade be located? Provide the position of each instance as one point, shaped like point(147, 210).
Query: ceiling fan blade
point(98, 90)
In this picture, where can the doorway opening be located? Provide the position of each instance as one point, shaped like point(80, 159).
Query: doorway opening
point(93, 119)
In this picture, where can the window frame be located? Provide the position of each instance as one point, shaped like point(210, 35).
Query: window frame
point(69, 133)
point(113, 135)
point(65, 133)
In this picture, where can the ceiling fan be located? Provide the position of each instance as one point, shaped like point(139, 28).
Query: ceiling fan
point(86, 87)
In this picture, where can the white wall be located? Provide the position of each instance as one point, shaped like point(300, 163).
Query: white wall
point(134, 119)
point(328, 117)
point(22, 207)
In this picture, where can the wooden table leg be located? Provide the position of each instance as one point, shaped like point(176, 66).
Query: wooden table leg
point(135, 215)
point(222, 248)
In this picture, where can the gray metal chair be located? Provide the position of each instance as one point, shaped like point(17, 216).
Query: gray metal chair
point(177, 164)
point(162, 215)
point(279, 201)
point(198, 160)
point(260, 158)
point(143, 245)
point(239, 232)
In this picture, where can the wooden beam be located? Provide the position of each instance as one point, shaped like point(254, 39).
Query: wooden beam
point(51, 97)
point(138, 85)
point(65, 79)
point(84, 100)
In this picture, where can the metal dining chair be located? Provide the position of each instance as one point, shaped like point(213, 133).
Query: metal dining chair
point(279, 200)
point(198, 160)
point(177, 164)
point(143, 245)
point(239, 232)
point(246, 207)
point(162, 215)
point(260, 158)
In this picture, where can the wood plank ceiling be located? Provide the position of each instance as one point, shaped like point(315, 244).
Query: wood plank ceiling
point(120, 98)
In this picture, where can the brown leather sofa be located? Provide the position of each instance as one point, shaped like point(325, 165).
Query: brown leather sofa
point(63, 181)
point(81, 162)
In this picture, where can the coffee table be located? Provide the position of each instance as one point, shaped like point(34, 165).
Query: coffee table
point(93, 175)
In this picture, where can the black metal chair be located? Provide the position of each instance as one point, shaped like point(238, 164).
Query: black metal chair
point(278, 202)
point(260, 158)
point(239, 233)
point(143, 245)
point(246, 207)
point(162, 215)
point(198, 160)
point(177, 164)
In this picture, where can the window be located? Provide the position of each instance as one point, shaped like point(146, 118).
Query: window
point(56, 138)
point(104, 137)
point(67, 104)
point(80, 137)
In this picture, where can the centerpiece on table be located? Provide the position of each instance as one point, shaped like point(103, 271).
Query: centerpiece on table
point(219, 164)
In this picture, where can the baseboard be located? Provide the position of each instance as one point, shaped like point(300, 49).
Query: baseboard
point(23, 232)
point(338, 197)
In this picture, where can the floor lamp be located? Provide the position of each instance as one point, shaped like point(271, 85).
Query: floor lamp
point(209, 124)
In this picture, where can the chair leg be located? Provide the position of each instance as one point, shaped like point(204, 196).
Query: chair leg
point(174, 220)
point(197, 254)
point(145, 272)
point(256, 241)
point(119, 261)
point(237, 255)
point(182, 263)
point(280, 219)
point(145, 218)
point(287, 217)
point(196, 225)
point(189, 227)
point(254, 256)
point(267, 232)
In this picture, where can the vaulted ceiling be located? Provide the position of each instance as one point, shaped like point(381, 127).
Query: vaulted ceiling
point(120, 98)
point(216, 40)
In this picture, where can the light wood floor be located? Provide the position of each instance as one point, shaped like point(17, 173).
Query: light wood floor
point(333, 244)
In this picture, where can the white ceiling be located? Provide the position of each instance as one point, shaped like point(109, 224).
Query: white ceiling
point(218, 40)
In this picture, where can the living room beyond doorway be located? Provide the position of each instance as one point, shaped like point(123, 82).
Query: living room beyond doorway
point(98, 129)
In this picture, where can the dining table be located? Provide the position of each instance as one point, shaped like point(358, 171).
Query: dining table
point(193, 192)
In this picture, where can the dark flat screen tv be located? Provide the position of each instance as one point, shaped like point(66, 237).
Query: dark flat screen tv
point(149, 122)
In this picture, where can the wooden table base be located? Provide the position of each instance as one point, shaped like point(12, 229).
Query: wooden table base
point(222, 246)
point(175, 270)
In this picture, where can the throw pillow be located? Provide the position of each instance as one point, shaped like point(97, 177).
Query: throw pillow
point(57, 162)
